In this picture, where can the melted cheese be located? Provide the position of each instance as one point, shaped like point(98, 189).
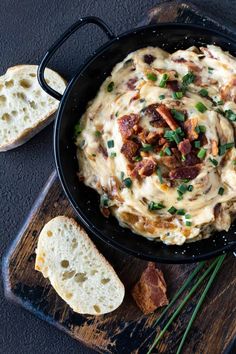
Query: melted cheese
point(130, 205)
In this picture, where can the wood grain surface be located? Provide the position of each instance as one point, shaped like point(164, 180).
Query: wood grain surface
point(126, 330)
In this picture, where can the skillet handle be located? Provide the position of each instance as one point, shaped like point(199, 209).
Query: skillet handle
point(82, 22)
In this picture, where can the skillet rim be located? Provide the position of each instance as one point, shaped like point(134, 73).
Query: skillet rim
point(88, 224)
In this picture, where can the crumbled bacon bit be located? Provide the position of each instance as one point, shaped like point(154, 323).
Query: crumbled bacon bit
point(170, 161)
point(144, 168)
point(191, 159)
point(153, 136)
point(142, 136)
point(156, 119)
point(126, 124)
point(103, 151)
point(166, 115)
point(189, 172)
point(189, 127)
point(162, 141)
point(129, 149)
point(131, 83)
point(149, 292)
point(185, 146)
point(148, 58)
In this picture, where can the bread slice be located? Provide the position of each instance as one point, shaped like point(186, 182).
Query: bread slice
point(25, 108)
point(78, 272)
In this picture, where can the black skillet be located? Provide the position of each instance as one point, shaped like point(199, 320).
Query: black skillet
point(84, 87)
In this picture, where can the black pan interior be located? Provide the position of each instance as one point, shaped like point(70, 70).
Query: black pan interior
point(83, 88)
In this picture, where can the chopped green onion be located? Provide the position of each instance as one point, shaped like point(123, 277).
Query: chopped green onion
point(203, 92)
point(77, 130)
point(221, 191)
point(152, 76)
point(159, 175)
point(155, 206)
point(178, 115)
point(163, 81)
point(188, 223)
point(127, 182)
point(197, 144)
point(180, 197)
point(182, 188)
point(116, 114)
point(210, 70)
point(229, 145)
point(146, 147)
point(137, 158)
point(161, 153)
point(229, 114)
point(188, 216)
point(110, 86)
point(185, 180)
point(222, 150)
point(162, 97)
point(183, 158)
point(177, 95)
point(172, 210)
point(200, 129)
point(201, 107)
point(190, 188)
point(180, 212)
point(113, 154)
point(188, 79)
point(220, 103)
point(97, 133)
point(202, 153)
point(104, 200)
point(213, 161)
point(168, 151)
point(122, 175)
point(110, 144)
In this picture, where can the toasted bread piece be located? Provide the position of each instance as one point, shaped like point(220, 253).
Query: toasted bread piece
point(78, 272)
point(25, 108)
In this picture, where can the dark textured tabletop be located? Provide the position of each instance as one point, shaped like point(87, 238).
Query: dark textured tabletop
point(27, 28)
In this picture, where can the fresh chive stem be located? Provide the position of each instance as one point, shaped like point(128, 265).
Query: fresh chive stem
point(210, 281)
point(179, 308)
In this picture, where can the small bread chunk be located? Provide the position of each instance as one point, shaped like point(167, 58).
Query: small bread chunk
point(78, 272)
point(25, 108)
point(150, 291)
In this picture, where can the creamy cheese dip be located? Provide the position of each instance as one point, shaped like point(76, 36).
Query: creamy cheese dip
point(157, 143)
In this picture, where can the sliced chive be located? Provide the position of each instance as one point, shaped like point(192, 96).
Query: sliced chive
point(162, 97)
point(110, 144)
point(188, 79)
point(104, 200)
point(178, 115)
point(172, 210)
point(213, 161)
point(188, 223)
point(110, 86)
point(210, 70)
point(137, 158)
point(200, 107)
point(197, 144)
point(161, 153)
point(116, 114)
point(182, 188)
point(222, 150)
point(188, 216)
point(180, 197)
point(203, 92)
point(177, 95)
point(77, 130)
point(155, 206)
point(164, 80)
point(122, 175)
point(202, 153)
point(229, 145)
point(127, 182)
point(220, 103)
point(190, 188)
point(113, 154)
point(221, 191)
point(159, 175)
point(183, 158)
point(152, 77)
point(168, 151)
point(229, 114)
point(97, 133)
point(180, 212)
point(185, 180)
point(146, 147)
point(202, 128)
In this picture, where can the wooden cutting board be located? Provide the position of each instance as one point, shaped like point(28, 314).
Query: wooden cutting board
point(126, 330)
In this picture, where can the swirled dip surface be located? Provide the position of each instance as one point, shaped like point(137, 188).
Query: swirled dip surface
point(157, 143)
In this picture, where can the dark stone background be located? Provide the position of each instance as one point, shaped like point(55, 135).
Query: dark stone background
point(27, 29)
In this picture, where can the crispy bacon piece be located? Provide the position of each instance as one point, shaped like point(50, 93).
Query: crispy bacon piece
point(189, 172)
point(148, 58)
point(189, 127)
point(149, 292)
point(166, 115)
point(170, 162)
point(214, 148)
point(144, 168)
point(129, 149)
point(131, 83)
point(156, 119)
point(185, 147)
point(191, 159)
point(126, 124)
point(154, 136)
point(162, 141)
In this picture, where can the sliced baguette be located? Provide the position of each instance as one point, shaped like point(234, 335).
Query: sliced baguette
point(78, 272)
point(25, 108)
